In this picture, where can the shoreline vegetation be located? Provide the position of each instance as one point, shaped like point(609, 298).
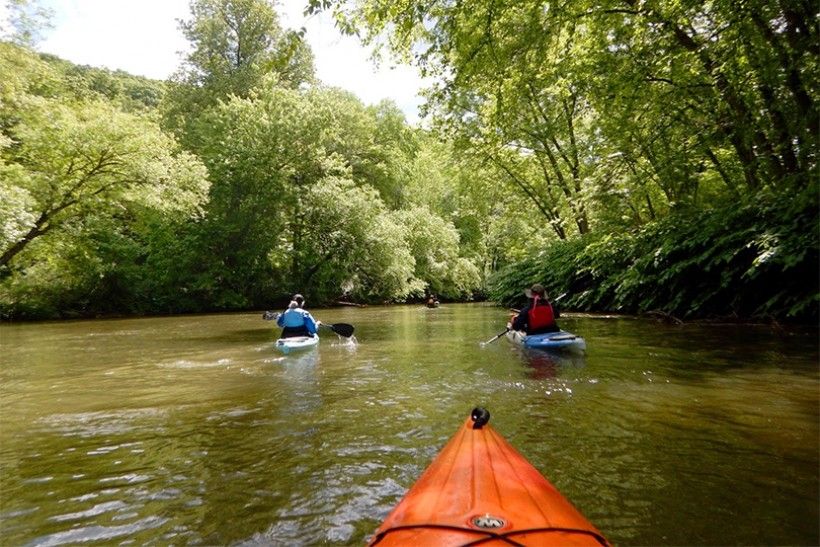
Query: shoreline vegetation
point(655, 315)
point(658, 317)
point(658, 162)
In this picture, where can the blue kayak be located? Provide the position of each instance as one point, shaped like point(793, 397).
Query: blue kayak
point(561, 340)
point(296, 343)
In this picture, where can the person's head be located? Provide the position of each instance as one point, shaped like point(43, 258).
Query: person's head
point(536, 290)
point(299, 299)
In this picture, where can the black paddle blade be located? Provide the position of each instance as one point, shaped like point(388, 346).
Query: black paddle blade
point(342, 329)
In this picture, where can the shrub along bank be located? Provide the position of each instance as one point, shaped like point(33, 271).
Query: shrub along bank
point(754, 260)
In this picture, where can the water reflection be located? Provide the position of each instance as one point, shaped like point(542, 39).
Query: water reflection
point(544, 364)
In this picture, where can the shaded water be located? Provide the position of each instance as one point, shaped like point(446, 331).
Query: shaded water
point(193, 430)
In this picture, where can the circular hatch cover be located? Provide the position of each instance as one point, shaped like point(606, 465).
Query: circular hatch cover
point(488, 522)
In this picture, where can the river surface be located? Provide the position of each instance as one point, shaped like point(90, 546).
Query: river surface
point(193, 430)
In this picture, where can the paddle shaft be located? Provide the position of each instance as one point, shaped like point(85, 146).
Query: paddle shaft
point(496, 337)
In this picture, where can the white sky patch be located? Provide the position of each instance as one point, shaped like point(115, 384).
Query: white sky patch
point(137, 36)
point(342, 61)
point(142, 37)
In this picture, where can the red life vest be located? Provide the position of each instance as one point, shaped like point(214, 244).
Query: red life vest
point(540, 316)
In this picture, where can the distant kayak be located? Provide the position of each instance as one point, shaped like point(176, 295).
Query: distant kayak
point(296, 343)
point(480, 490)
point(561, 340)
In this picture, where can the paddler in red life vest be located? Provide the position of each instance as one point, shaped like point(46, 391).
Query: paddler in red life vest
point(537, 317)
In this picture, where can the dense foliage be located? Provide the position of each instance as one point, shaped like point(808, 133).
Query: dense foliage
point(634, 156)
point(633, 128)
point(240, 181)
point(758, 259)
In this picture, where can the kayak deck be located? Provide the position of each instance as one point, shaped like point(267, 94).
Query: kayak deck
point(561, 340)
point(296, 343)
point(480, 490)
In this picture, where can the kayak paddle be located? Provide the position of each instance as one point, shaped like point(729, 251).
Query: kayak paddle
point(342, 329)
point(496, 337)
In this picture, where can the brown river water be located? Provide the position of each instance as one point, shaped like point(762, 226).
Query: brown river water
point(194, 430)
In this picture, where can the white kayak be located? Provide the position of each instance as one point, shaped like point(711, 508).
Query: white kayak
point(561, 340)
point(296, 343)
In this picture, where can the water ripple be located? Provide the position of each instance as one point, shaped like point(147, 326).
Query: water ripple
point(88, 534)
point(92, 424)
point(98, 509)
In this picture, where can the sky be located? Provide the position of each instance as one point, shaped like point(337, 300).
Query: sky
point(141, 37)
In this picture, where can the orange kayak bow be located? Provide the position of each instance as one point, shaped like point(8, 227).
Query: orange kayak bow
point(481, 491)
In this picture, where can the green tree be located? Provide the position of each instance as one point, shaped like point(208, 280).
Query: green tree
point(80, 182)
point(235, 44)
point(266, 154)
point(395, 145)
point(434, 244)
point(68, 162)
point(353, 246)
point(695, 99)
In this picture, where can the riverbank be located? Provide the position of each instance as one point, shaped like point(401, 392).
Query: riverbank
point(756, 261)
point(656, 317)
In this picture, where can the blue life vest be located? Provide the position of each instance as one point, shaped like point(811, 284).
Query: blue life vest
point(294, 317)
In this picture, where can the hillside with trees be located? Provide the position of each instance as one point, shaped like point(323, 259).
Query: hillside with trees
point(632, 157)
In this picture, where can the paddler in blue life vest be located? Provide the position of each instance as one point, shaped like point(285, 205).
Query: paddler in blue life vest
point(297, 321)
point(537, 317)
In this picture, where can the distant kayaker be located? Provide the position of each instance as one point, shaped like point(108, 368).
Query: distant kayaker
point(295, 320)
point(537, 317)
